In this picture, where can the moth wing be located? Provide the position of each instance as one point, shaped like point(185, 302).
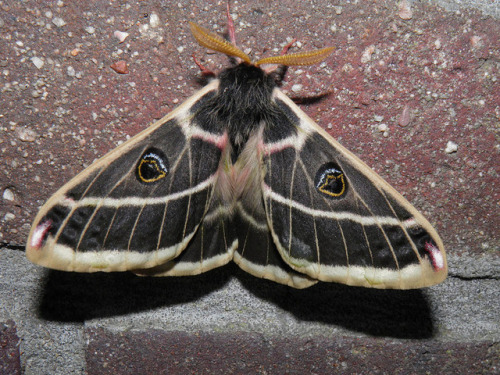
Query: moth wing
point(334, 219)
point(138, 206)
point(257, 254)
point(212, 246)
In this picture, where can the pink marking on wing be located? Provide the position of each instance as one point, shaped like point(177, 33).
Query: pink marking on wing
point(220, 141)
point(271, 148)
point(40, 234)
point(437, 259)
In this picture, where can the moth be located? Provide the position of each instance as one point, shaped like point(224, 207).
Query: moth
point(238, 172)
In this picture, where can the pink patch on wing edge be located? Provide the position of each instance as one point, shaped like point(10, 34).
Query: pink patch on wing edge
point(219, 141)
point(437, 259)
point(40, 234)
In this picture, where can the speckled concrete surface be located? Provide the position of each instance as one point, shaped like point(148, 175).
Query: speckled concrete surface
point(399, 91)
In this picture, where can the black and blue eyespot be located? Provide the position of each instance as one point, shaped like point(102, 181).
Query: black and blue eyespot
point(152, 166)
point(330, 181)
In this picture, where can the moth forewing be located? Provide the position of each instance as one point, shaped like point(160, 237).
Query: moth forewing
point(404, 231)
point(44, 246)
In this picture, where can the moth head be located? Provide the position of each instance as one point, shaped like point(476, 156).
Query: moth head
point(214, 42)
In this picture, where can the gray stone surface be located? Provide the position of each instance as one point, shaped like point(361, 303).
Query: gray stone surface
point(487, 7)
point(51, 309)
point(47, 347)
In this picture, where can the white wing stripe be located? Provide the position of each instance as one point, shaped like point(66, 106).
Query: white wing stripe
point(364, 220)
point(137, 201)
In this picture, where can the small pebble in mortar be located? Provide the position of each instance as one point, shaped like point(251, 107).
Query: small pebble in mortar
point(451, 147)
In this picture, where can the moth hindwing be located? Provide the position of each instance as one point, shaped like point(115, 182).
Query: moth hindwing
point(238, 172)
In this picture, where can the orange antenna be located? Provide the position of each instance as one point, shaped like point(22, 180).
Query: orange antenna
point(216, 43)
point(301, 58)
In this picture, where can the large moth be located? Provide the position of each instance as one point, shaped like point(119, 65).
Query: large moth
point(238, 172)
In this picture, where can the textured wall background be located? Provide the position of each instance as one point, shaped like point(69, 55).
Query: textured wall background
point(62, 106)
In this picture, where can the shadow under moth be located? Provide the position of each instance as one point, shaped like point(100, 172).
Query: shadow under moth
point(238, 172)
